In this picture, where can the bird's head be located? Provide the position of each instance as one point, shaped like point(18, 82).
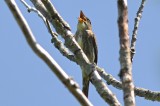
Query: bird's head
point(83, 22)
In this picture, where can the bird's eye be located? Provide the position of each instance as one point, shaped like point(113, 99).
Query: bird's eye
point(88, 21)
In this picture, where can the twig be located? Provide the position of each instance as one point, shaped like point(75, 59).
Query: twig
point(135, 30)
point(30, 9)
point(57, 43)
point(125, 59)
point(44, 55)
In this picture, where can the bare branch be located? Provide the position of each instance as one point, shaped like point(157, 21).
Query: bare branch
point(135, 30)
point(30, 9)
point(142, 92)
point(44, 55)
point(125, 60)
point(59, 45)
point(56, 15)
point(148, 94)
point(110, 80)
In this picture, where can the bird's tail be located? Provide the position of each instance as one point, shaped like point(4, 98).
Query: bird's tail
point(85, 81)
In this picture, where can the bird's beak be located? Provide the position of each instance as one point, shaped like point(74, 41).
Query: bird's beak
point(82, 17)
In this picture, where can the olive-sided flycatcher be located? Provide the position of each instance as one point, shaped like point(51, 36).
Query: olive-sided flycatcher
point(87, 41)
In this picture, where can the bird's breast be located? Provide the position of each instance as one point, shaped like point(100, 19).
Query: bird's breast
point(79, 40)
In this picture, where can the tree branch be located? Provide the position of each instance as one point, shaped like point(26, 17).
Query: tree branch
point(125, 59)
point(135, 30)
point(57, 43)
point(44, 55)
point(142, 92)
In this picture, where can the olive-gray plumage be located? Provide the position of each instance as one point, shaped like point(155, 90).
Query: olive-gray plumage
point(87, 41)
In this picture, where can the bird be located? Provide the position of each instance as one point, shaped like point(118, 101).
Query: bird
point(87, 41)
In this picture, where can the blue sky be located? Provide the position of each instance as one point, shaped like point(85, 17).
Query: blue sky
point(25, 80)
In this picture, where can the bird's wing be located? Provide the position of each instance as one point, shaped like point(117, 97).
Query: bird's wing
point(95, 48)
point(92, 38)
